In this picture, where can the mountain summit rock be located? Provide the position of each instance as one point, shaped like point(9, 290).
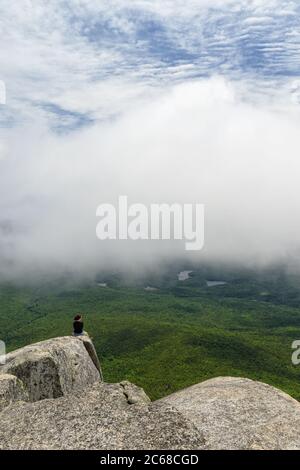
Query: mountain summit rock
point(52, 396)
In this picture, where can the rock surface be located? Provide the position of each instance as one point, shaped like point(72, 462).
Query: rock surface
point(237, 413)
point(11, 390)
point(134, 394)
point(51, 397)
point(99, 418)
point(90, 348)
point(52, 368)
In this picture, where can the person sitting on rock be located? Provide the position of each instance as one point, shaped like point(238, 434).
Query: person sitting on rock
point(78, 326)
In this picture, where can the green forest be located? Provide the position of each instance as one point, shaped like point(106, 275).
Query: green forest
point(173, 334)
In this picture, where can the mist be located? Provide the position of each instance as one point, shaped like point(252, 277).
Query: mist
point(199, 142)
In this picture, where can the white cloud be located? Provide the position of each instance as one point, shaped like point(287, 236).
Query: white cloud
point(258, 19)
point(66, 53)
point(197, 143)
point(157, 132)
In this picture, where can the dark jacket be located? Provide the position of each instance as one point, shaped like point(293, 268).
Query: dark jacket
point(78, 326)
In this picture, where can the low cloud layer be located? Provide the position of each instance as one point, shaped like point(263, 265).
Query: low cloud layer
point(164, 102)
point(205, 141)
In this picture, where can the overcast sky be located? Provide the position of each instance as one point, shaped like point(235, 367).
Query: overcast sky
point(164, 101)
